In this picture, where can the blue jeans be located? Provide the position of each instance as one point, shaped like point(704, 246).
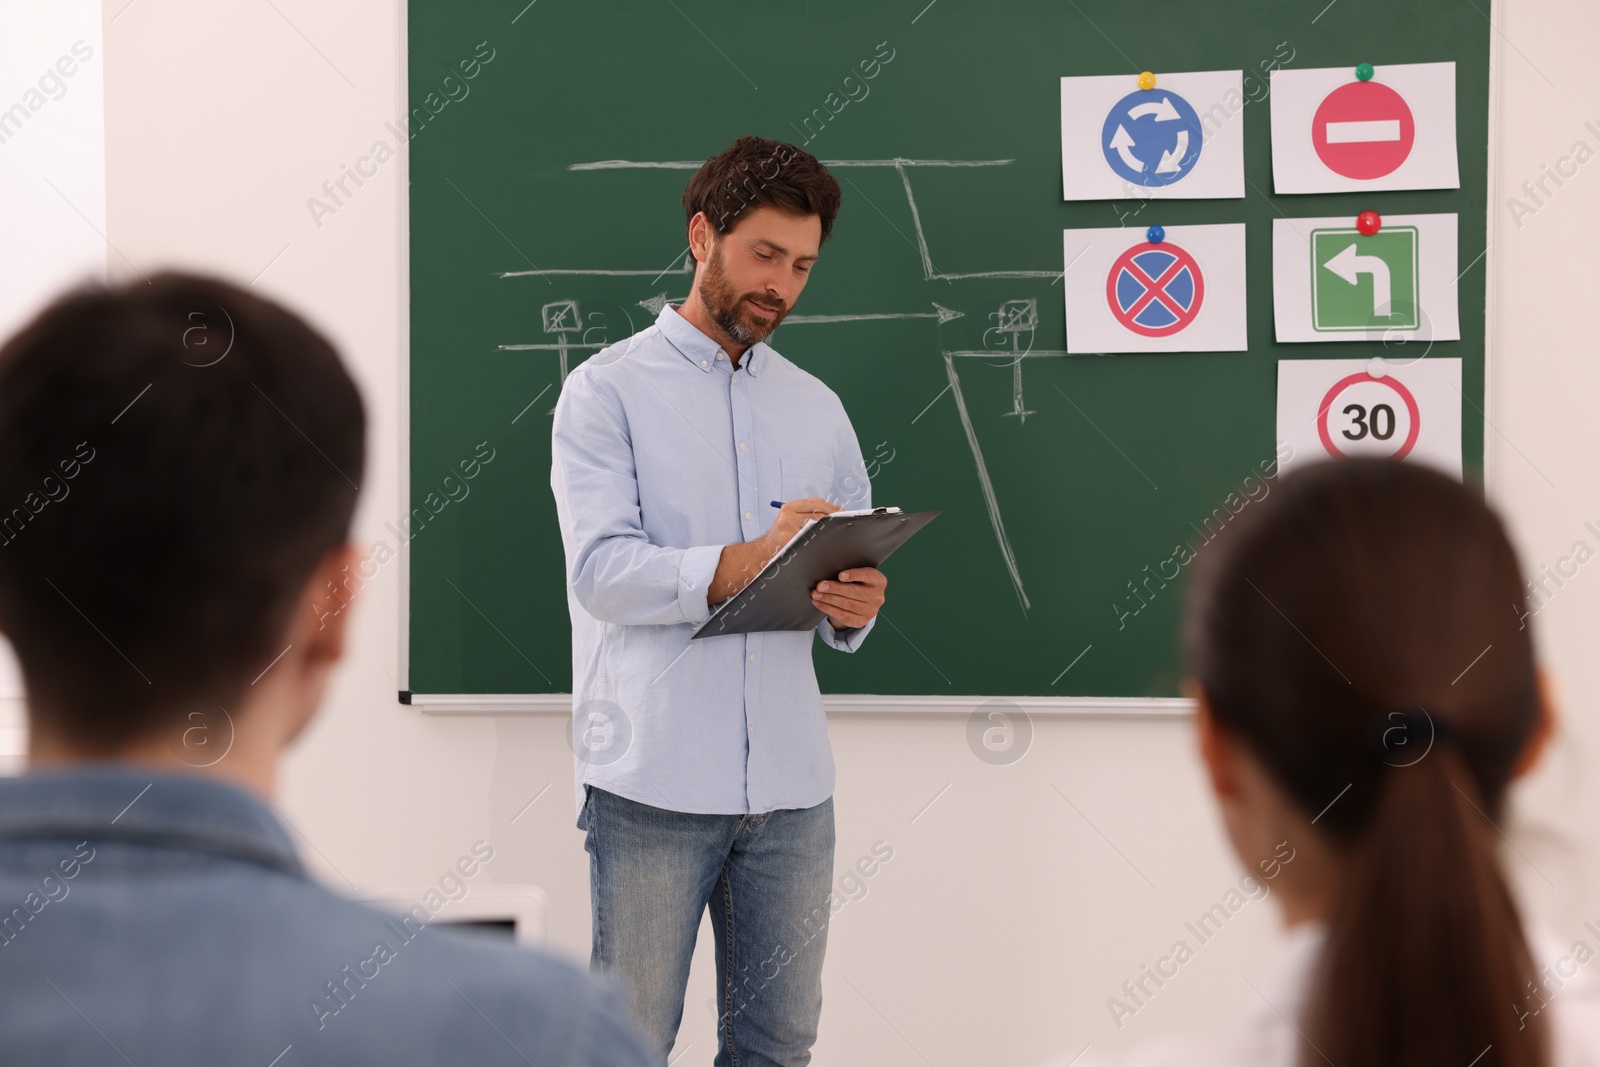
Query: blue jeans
point(766, 878)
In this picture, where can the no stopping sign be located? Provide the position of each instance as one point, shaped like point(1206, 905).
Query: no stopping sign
point(1363, 415)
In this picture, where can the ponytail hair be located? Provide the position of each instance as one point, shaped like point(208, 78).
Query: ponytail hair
point(1363, 634)
point(1425, 959)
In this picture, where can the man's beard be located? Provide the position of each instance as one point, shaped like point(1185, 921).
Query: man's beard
point(728, 308)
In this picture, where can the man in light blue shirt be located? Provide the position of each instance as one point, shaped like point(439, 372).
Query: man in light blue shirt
point(177, 608)
point(703, 772)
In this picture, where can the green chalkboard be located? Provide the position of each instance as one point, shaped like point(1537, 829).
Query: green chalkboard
point(517, 238)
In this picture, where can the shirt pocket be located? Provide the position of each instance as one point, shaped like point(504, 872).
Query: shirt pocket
point(804, 477)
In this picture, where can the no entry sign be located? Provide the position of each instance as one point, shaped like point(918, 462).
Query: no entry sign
point(1335, 134)
point(1363, 130)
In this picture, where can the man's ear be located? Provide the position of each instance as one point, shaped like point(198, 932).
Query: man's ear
point(1533, 751)
point(1218, 750)
point(326, 602)
point(321, 616)
point(700, 236)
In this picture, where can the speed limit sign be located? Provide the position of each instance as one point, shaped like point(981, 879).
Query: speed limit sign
point(1338, 408)
point(1363, 415)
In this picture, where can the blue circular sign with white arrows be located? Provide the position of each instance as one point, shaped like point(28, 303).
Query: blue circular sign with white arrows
point(1152, 137)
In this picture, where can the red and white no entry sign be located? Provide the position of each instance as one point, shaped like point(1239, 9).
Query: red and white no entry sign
point(1363, 409)
point(1363, 130)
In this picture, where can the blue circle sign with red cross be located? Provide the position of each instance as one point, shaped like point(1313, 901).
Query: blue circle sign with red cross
point(1155, 290)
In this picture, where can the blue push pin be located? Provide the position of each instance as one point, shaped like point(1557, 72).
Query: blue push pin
point(1155, 235)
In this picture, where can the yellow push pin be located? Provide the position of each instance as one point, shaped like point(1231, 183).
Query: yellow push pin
point(1147, 80)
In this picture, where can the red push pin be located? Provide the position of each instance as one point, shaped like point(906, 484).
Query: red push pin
point(1368, 223)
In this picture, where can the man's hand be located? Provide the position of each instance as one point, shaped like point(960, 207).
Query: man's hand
point(792, 516)
point(739, 563)
point(854, 599)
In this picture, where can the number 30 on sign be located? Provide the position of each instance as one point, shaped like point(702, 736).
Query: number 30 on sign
point(1337, 408)
point(1357, 417)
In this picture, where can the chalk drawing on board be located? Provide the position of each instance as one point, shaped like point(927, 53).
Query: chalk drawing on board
point(683, 264)
point(655, 303)
point(685, 269)
point(928, 271)
point(1016, 319)
point(940, 312)
point(561, 318)
point(990, 500)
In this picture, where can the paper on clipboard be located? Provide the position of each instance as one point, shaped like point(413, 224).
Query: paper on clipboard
point(779, 597)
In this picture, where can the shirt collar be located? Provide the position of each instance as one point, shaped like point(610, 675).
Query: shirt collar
point(120, 802)
point(701, 350)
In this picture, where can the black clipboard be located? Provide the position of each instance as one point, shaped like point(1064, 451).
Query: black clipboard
point(779, 598)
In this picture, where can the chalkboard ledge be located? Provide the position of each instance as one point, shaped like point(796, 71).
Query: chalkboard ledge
point(836, 704)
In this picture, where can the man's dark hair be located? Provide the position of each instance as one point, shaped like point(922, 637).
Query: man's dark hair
point(175, 458)
point(754, 171)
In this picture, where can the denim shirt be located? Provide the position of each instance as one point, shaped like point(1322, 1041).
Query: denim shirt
point(662, 453)
point(154, 918)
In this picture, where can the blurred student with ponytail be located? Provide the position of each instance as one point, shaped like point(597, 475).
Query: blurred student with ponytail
point(1366, 690)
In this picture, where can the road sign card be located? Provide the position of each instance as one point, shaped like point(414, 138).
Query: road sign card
point(1125, 293)
point(1364, 282)
point(1335, 408)
point(1182, 139)
point(1333, 133)
point(1330, 282)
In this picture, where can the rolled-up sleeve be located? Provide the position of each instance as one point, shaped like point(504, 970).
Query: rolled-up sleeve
point(615, 572)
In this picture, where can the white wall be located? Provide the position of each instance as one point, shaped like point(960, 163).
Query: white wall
point(1024, 896)
point(1543, 468)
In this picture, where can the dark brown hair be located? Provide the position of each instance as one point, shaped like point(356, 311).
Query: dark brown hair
point(755, 171)
point(1362, 632)
point(175, 458)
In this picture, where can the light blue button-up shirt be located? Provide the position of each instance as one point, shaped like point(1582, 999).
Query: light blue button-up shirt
point(663, 453)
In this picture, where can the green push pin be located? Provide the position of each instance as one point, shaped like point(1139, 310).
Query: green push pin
point(1364, 72)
